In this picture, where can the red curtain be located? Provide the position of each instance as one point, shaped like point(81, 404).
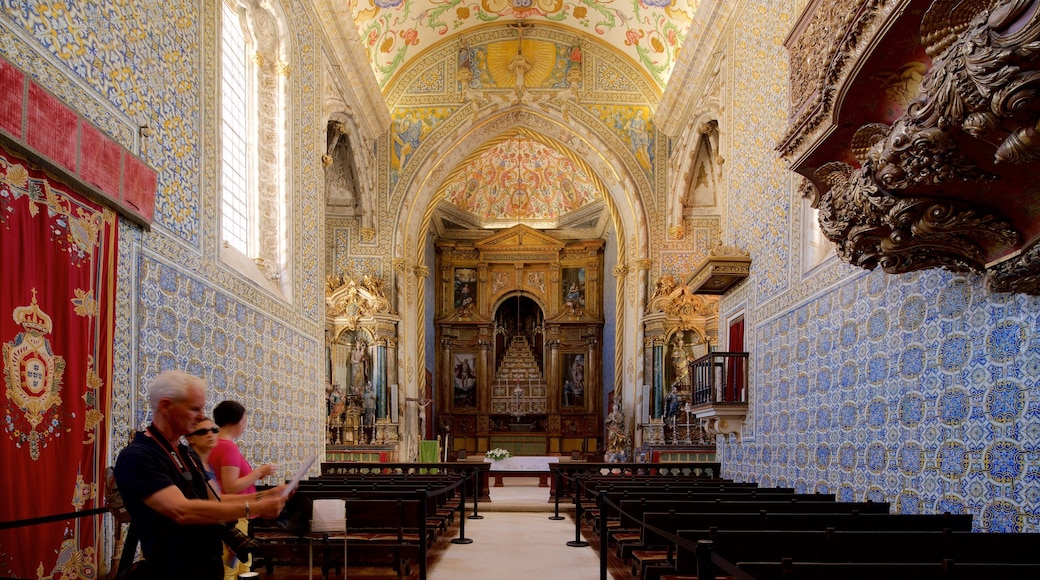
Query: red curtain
point(735, 370)
point(57, 292)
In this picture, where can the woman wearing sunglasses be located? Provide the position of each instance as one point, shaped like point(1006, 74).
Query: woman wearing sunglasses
point(203, 439)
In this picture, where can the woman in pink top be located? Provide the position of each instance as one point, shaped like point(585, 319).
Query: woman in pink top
point(232, 470)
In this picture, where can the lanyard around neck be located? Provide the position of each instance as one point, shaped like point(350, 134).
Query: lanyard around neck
point(186, 473)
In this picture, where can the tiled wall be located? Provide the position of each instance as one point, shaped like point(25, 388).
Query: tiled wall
point(919, 389)
point(177, 306)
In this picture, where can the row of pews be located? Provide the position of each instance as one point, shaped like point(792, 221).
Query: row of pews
point(685, 528)
point(368, 516)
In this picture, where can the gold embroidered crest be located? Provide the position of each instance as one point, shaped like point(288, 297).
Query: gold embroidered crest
point(32, 374)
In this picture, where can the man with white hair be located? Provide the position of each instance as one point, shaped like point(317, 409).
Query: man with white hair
point(175, 513)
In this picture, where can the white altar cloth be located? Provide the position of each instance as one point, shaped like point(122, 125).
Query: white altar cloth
point(522, 463)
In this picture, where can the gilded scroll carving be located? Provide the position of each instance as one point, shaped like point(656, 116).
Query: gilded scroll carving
point(348, 302)
point(871, 227)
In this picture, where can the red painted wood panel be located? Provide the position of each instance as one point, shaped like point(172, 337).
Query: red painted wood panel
point(139, 185)
point(52, 128)
point(12, 97)
point(99, 160)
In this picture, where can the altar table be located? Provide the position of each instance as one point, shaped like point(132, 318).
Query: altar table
point(522, 466)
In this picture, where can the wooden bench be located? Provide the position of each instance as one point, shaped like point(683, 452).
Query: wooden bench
point(382, 518)
point(767, 550)
point(655, 550)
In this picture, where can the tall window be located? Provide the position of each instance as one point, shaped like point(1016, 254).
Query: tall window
point(815, 246)
point(255, 104)
point(236, 202)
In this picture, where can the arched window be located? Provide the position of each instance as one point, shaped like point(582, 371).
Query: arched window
point(254, 100)
point(238, 201)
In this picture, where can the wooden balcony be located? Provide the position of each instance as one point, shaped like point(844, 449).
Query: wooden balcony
point(719, 399)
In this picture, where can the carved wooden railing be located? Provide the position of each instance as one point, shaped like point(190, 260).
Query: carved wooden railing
point(720, 377)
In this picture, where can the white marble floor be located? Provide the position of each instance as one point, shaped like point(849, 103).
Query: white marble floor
point(520, 544)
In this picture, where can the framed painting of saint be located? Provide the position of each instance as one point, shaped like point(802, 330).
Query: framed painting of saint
point(573, 284)
point(572, 391)
point(464, 380)
point(465, 287)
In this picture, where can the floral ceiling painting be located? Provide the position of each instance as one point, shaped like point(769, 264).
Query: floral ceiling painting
point(519, 178)
point(650, 32)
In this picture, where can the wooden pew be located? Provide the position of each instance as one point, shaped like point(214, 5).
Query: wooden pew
point(654, 549)
point(289, 538)
point(769, 549)
point(946, 570)
point(694, 495)
point(684, 524)
point(380, 526)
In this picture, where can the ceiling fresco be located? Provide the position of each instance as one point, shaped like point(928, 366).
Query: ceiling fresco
point(517, 179)
point(650, 32)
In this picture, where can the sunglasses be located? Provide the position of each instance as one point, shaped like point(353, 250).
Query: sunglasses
point(201, 432)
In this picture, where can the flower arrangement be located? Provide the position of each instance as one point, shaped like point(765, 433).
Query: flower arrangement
point(497, 454)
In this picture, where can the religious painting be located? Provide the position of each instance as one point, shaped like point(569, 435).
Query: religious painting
point(464, 379)
point(573, 284)
point(572, 392)
point(465, 287)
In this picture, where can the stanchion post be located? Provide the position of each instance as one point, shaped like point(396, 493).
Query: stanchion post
point(601, 501)
point(705, 569)
point(476, 493)
point(424, 500)
point(462, 539)
point(577, 542)
point(556, 485)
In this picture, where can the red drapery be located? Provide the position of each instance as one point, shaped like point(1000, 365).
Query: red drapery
point(735, 370)
point(57, 292)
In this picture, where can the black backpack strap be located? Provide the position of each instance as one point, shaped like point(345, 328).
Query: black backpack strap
point(129, 551)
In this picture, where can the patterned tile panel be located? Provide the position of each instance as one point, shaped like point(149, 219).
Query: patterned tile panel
point(187, 323)
point(125, 51)
point(919, 389)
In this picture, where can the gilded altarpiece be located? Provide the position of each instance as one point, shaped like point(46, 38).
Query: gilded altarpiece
point(518, 323)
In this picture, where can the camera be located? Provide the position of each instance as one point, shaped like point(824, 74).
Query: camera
point(241, 544)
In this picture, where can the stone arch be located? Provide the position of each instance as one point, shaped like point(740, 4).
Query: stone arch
point(624, 189)
point(696, 148)
point(350, 167)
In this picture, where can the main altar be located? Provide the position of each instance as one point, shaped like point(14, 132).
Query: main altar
point(518, 321)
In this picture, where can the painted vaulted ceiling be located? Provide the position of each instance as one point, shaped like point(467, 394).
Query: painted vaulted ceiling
point(600, 68)
point(650, 32)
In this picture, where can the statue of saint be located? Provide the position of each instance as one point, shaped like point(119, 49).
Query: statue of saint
point(671, 405)
point(681, 363)
point(617, 436)
point(359, 370)
point(369, 404)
